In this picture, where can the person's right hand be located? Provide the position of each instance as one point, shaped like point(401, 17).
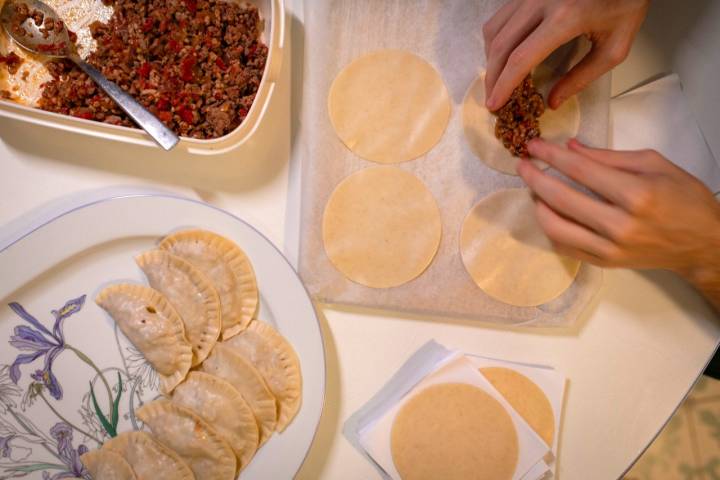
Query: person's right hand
point(524, 32)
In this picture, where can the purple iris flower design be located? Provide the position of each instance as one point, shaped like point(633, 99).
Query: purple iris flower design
point(41, 342)
point(63, 435)
point(5, 448)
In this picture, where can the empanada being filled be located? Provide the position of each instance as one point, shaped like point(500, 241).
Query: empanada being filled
point(192, 295)
point(227, 267)
point(277, 362)
point(152, 325)
point(199, 445)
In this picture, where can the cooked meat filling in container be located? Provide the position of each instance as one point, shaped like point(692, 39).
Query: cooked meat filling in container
point(517, 121)
point(195, 64)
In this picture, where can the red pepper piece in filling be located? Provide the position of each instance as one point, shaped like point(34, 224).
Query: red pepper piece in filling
point(144, 70)
point(219, 62)
point(165, 116)
point(148, 25)
point(191, 5)
point(174, 45)
point(186, 67)
point(163, 104)
point(186, 114)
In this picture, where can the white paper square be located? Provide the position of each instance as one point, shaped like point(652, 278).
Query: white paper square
point(375, 437)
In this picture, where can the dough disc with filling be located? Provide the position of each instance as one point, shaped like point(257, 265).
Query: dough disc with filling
point(507, 254)
point(528, 400)
point(381, 227)
point(454, 431)
point(389, 106)
point(479, 126)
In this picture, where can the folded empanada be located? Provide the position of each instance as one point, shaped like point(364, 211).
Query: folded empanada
point(192, 295)
point(197, 443)
point(277, 362)
point(149, 459)
point(152, 325)
point(227, 267)
point(105, 465)
point(223, 408)
point(237, 371)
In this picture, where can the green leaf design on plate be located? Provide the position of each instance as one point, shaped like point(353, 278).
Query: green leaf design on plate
point(111, 425)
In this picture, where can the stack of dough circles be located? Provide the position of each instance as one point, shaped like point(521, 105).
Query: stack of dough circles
point(381, 227)
point(528, 400)
point(389, 106)
point(507, 254)
point(479, 126)
point(454, 431)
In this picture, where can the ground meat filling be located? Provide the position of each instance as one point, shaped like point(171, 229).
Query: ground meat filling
point(195, 64)
point(517, 121)
point(12, 62)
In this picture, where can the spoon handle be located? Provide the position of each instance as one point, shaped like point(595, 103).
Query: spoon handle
point(165, 137)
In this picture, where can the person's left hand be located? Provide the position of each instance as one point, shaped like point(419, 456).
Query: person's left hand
point(652, 214)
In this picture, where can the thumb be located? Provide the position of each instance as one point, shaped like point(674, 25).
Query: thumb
point(602, 57)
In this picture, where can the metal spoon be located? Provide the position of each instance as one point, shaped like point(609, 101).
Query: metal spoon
point(58, 45)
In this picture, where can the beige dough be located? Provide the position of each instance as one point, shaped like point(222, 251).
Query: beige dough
point(381, 227)
point(389, 106)
point(454, 431)
point(528, 400)
point(479, 125)
point(507, 254)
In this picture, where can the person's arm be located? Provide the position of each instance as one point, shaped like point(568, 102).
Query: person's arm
point(523, 33)
point(650, 214)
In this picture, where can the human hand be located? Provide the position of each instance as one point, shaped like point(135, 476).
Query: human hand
point(652, 214)
point(523, 33)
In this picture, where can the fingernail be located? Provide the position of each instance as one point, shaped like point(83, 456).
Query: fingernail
point(533, 145)
point(491, 103)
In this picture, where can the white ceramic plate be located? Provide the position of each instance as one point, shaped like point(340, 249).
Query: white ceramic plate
point(60, 347)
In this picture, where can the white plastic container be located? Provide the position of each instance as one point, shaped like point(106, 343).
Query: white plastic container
point(273, 14)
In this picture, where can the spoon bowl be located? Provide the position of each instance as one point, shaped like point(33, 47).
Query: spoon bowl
point(50, 37)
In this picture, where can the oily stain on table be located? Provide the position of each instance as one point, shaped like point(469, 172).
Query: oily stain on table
point(689, 446)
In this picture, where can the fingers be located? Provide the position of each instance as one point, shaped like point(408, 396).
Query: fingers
point(601, 59)
point(610, 183)
point(498, 20)
point(571, 237)
point(572, 204)
point(533, 50)
point(524, 20)
point(638, 161)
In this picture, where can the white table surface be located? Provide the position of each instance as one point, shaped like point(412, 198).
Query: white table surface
point(630, 361)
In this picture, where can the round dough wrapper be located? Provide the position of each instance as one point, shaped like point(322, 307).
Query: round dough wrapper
point(381, 227)
point(389, 106)
point(528, 400)
point(507, 254)
point(454, 431)
point(479, 126)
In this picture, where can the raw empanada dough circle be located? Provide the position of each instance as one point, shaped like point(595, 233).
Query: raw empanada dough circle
point(381, 227)
point(454, 431)
point(507, 254)
point(528, 400)
point(479, 126)
point(389, 106)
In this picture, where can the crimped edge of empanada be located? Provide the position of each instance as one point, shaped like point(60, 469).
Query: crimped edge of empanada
point(241, 407)
point(92, 458)
point(240, 265)
point(151, 411)
point(262, 402)
point(290, 399)
point(158, 301)
point(205, 288)
point(120, 445)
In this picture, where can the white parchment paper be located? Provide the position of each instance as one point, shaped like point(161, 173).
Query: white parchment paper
point(449, 36)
